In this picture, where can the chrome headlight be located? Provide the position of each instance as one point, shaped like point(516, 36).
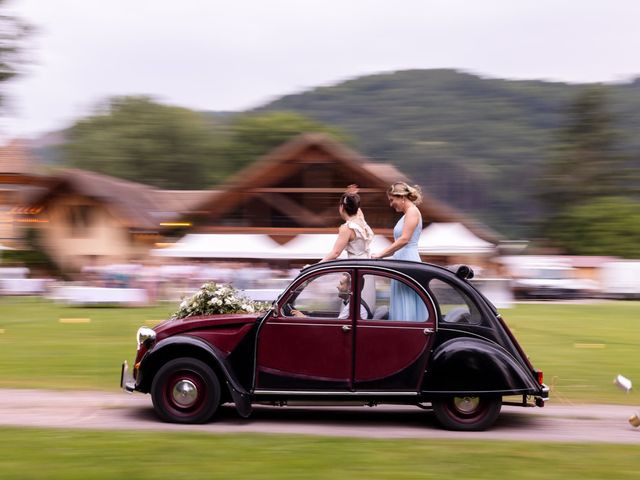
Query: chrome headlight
point(146, 336)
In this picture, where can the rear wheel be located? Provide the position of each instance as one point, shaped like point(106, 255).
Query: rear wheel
point(185, 390)
point(467, 413)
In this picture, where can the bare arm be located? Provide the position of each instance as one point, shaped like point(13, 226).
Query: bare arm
point(411, 219)
point(344, 235)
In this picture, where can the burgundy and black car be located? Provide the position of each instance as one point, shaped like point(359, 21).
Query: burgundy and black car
point(339, 334)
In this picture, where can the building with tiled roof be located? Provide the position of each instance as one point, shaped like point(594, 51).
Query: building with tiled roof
point(87, 217)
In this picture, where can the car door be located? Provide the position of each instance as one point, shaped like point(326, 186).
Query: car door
point(308, 344)
point(391, 348)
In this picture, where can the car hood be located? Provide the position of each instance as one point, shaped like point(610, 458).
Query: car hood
point(175, 326)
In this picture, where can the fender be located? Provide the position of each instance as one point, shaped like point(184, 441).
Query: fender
point(184, 345)
point(476, 366)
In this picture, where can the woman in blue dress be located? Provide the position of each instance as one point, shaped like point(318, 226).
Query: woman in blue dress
point(405, 304)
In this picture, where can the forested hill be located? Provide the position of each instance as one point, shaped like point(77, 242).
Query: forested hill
point(475, 142)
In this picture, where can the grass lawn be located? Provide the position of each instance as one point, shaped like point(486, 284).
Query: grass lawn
point(37, 350)
point(80, 454)
point(580, 348)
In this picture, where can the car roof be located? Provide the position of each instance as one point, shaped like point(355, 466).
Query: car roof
point(419, 271)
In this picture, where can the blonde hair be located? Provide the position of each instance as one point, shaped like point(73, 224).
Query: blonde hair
point(401, 189)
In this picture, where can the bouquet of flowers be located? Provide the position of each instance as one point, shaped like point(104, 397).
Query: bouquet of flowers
point(215, 298)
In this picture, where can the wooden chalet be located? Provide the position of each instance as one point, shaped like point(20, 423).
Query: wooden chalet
point(94, 219)
point(296, 189)
point(19, 180)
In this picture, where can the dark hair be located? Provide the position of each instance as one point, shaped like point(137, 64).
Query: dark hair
point(350, 202)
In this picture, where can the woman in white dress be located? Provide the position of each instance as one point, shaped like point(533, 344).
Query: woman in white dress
point(354, 235)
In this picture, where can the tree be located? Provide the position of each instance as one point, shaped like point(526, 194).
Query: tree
point(603, 226)
point(251, 136)
point(585, 162)
point(140, 140)
point(13, 32)
point(585, 186)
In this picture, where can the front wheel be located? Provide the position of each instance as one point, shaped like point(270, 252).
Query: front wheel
point(185, 390)
point(467, 413)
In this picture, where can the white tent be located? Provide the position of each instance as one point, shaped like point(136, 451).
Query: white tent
point(195, 245)
point(451, 239)
point(315, 246)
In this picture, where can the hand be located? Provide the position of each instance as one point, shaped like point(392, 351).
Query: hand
point(297, 313)
point(376, 256)
point(353, 188)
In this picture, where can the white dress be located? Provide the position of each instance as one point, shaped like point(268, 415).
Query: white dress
point(360, 247)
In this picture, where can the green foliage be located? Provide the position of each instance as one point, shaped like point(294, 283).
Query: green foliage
point(140, 140)
point(602, 226)
point(584, 163)
point(175, 148)
point(13, 33)
point(585, 182)
point(251, 136)
point(33, 256)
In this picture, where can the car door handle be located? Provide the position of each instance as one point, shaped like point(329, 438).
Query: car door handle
point(427, 331)
point(346, 328)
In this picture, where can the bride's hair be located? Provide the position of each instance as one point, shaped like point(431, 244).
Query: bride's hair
point(350, 202)
point(401, 189)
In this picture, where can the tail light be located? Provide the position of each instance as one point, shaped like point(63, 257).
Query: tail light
point(540, 376)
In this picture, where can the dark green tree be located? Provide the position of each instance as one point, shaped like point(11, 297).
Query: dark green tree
point(585, 161)
point(251, 136)
point(602, 226)
point(584, 172)
point(13, 32)
point(140, 140)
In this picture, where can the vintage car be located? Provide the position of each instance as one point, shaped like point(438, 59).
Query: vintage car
point(450, 351)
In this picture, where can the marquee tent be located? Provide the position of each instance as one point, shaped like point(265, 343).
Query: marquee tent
point(451, 239)
point(197, 245)
point(315, 246)
point(256, 246)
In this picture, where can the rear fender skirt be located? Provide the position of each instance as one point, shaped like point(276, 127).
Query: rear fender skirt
point(471, 365)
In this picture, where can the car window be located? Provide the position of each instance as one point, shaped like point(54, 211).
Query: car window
point(394, 300)
point(455, 305)
point(323, 296)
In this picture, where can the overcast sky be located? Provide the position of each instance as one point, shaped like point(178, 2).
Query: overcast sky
point(237, 54)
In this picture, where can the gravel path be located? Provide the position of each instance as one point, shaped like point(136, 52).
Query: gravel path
point(120, 411)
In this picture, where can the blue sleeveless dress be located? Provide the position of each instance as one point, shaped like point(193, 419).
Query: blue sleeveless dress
point(405, 303)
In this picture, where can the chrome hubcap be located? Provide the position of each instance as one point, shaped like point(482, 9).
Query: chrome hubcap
point(185, 393)
point(466, 404)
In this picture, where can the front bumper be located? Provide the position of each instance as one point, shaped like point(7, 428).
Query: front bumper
point(127, 382)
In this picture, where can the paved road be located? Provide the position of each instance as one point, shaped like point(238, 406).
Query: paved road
point(115, 410)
